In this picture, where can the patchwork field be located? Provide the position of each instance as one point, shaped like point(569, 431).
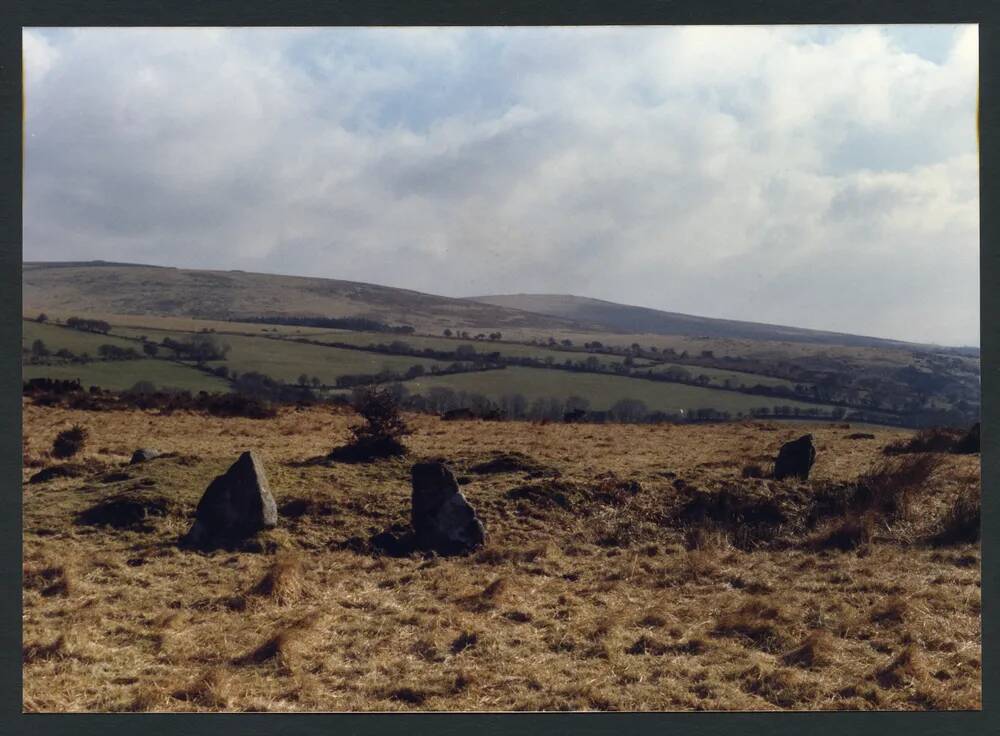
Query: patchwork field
point(287, 360)
point(589, 593)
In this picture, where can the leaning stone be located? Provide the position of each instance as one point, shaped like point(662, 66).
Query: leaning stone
point(236, 505)
point(795, 459)
point(442, 518)
point(143, 454)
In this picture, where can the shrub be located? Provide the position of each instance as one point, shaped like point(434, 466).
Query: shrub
point(69, 442)
point(39, 349)
point(114, 352)
point(89, 325)
point(381, 434)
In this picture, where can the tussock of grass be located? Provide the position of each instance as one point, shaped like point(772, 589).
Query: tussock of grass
point(280, 646)
point(49, 580)
point(508, 462)
point(283, 581)
point(961, 522)
point(907, 668)
point(126, 510)
point(762, 622)
point(891, 484)
point(848, 533)
point(929, 439)
point(35, 652)
point(781, 687)
point(814, 651)
point(464, 641)
point(409, 695)
point(208, 690)
point(893, 610)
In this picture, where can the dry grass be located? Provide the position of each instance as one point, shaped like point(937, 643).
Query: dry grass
point(891, 485)
point(603, 602)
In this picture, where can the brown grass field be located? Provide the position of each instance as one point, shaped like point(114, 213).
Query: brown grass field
point(591, 593)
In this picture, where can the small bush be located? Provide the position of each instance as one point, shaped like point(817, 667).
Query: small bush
point(69, 442)
point(381, 434)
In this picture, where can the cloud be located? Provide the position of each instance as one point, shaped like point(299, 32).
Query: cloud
point(818, 177)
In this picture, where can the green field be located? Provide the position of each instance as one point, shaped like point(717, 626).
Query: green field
point(287, 360)
point(601, 390)
point(76, 341)
point(513, 350)
point(720, 376)
point(123, 374)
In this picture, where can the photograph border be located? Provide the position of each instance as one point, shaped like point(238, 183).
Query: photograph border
point(453, 13)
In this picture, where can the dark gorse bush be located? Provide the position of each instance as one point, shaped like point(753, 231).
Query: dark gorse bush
point(69, 442)
point(383, 429)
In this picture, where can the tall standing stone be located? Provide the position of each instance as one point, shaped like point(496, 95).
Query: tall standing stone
point(442, 518)
point(795, 459)
point(236, 505)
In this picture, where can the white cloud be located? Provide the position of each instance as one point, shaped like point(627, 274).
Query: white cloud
point(778, 174)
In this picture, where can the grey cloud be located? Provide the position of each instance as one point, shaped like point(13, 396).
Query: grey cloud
point(653, 166)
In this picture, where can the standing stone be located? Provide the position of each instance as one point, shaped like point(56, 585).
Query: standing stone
point(143, 454)
point(442, 518)
point(236, 505)
point(970, 442)
point(795, 459)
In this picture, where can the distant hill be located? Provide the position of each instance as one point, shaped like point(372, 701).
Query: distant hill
point(624, 318)
point(104, 288)
point(99, 287)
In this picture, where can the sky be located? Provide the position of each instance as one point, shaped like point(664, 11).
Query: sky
point(822, 177)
